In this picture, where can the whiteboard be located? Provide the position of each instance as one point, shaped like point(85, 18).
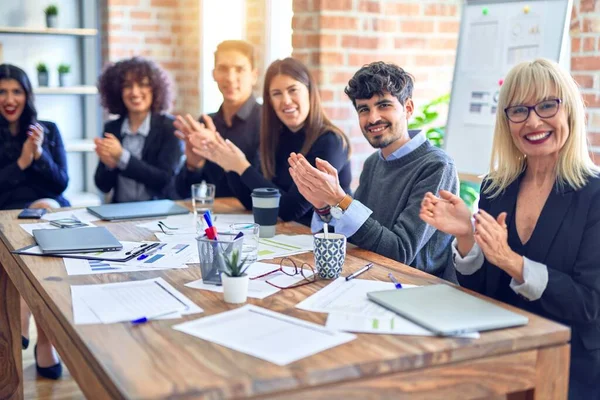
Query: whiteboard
point(495, 36)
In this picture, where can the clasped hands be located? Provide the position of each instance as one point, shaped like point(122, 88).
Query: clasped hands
point(109, 150)
point(32, 147)
point(320, 185)
point(203, 142)
point(449, 213)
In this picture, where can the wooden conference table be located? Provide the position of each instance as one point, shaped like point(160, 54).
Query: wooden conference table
point(153, 361)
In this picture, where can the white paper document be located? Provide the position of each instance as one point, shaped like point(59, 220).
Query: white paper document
point(259, 288)
point(284, 245)
point(188, 224)
point(81, 214)
point(265, 334)
point(45, 225)
point(395, 325)
point(349, 297)
point(127, 301)
point(75, 266)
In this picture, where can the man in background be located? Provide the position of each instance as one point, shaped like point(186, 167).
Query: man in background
point(238, 119)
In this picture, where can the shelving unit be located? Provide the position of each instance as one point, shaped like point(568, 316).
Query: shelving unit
point(74, 108)
point(48, 31)
point(67, 90)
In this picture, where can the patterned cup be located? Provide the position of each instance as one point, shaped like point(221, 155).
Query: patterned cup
point(330, 254)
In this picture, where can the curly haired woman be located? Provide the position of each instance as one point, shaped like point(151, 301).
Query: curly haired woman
point(139, 153)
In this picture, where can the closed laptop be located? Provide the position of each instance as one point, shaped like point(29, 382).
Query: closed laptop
point(137, 209)
point(445, 310)
point(77, 240)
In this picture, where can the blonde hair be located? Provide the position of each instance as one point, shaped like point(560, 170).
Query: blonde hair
point(540, 79)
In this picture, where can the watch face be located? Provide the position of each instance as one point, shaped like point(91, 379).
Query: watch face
point(336, 212)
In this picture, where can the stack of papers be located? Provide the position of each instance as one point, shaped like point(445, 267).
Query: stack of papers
point(350, 309)
point(259, 288)
point(127, 301)
point(265, 334)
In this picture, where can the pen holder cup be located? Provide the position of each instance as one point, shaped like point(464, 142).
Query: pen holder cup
point(330, 254)
point(214, 253)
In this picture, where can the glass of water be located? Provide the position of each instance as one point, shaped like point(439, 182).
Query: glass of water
point(203, 197)
point(250, 243)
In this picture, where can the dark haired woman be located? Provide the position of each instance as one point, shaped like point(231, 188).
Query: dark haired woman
point(293, 121)
point(33, 173)
point(139, 153)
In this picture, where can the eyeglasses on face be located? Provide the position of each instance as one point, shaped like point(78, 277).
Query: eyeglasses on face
point(543, 109)
point(288, 267)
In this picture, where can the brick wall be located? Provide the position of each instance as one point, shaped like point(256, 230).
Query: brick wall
point(166, 31)
point(255, 34)
point(336, 37)
point(585, 63)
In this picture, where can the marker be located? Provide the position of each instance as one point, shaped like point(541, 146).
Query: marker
point(396, 283)
point(211, 231)
point(360, 271)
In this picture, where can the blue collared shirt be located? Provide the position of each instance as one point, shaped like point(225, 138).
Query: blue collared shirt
point(133, 144)
point(357, 213)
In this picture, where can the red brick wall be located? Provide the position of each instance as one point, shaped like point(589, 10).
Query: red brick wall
point(585, 63)
point(336, 37)
point(166, 31)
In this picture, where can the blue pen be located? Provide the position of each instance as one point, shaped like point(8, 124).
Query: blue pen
point(142, 257)
point(146, 319)
point(396, 283)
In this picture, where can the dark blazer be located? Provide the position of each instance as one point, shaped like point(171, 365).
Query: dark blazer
point(566, 239)
point(45, 178)
point(161, 158)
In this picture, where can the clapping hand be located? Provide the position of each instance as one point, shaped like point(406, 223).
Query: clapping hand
point(36, 136)
point(322, 181)
point(492, 237)
point(223, 153)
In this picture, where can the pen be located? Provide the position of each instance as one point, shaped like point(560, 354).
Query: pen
point(146, 319)
point(396, 283)
point(360, 271)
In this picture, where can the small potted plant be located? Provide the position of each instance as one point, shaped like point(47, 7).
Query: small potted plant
point(63, 71)
point(51, 16)
point(42, 71)
point(235, 280)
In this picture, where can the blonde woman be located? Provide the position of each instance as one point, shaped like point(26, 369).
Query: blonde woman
point(535, 242)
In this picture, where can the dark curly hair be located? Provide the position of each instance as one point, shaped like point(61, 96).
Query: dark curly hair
point(112, 80)
point(377, 78)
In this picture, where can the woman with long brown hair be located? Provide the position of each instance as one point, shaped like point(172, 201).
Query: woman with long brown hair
point(293, 121)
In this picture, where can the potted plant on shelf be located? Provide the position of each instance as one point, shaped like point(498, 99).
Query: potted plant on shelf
point(63, 71)
point(51, 16)
point(235, 280)
point(42, 71)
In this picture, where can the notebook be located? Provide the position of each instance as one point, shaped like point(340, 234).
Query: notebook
point(78, 240)
point(445, 310)
point(137, 209)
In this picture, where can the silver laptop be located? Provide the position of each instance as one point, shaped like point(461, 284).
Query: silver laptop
point(76, 240)
point(137, 209)
point(445, 310)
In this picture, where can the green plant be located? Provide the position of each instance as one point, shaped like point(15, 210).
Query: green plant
point(41, 67)
point(235, 267)
point(425, 118)
point(64, 68)
point(52, 9)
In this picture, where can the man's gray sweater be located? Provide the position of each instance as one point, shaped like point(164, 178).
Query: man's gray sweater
point(393, 190)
